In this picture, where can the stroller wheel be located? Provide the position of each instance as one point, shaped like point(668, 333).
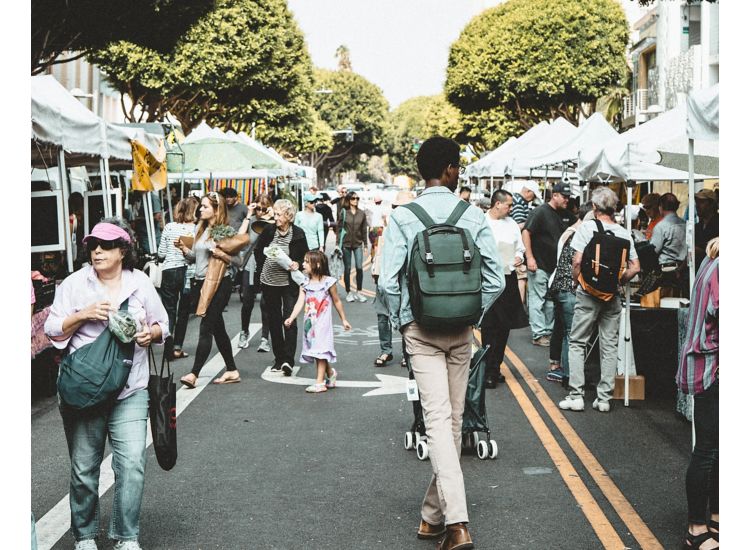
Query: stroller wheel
point(483, 450)
point(474, 440)
point(493, 449)
point(422, 451)
point(409, 441)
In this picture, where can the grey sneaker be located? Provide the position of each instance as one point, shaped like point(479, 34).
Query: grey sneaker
point(572, 404)
point(128, 545)
point(88, 544)
point(350, 297)
point(264, 346)
point(601, 406)
point(542, 341)
point(244, 340)
point(360, 297)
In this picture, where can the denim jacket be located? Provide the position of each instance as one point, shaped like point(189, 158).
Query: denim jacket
point(399, 235)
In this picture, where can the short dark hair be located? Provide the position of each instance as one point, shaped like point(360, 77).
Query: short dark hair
point(499, 195)
point(318, 263)
point(585, 208)
point(435, 155)
point(669, 202)
point(464, 189)
point(229, 192)
point(129, 257)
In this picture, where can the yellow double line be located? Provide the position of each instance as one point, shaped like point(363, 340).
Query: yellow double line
point(590, 508)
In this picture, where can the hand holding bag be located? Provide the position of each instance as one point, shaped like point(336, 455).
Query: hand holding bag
point(162, 411)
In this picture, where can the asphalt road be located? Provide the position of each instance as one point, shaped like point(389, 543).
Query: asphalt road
point(263, 465)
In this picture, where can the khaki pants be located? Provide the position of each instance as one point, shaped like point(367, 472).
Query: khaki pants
point(440, 362)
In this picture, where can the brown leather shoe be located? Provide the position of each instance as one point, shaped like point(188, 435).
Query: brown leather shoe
point(456, 538)
point(430, 531)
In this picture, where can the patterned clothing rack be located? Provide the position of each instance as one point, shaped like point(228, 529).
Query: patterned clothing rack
point(247, 188)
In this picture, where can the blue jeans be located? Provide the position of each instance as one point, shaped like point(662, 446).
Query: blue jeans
point(357, 252)
point(565, 303)
point(86, 433)
point(541, 311)
point(385, 334)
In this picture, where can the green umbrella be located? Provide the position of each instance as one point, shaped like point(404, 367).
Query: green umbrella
point(221, 155)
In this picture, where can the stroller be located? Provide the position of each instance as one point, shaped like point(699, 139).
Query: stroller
point(475, 416)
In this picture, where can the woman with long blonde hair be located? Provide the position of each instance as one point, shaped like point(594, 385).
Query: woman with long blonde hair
point(212, 211)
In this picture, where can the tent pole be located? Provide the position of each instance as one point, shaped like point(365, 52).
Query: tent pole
point(169, 201)
point(691, 214)
point(148, 214)
point(628, 224)
point(66, 211)
point(106, 189)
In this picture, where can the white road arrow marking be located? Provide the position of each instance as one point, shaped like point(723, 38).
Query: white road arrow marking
point(387, 384)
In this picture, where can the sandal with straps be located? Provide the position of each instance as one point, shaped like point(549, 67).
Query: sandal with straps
point(714, 525)
point(693, 542)
point(383, 359)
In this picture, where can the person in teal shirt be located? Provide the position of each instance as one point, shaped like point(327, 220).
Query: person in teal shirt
point(311, 223)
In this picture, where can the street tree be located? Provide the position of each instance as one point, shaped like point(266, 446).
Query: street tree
point(243, 65)
point(415, 120)
point(82, 26)
point(529, 60)
point(356, 111)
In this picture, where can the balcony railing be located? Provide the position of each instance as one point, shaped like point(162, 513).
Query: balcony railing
point(639, 102)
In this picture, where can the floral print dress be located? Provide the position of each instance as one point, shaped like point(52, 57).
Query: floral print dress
point(317, 335)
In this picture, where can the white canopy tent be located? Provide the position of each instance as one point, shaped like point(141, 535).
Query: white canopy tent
point(524, 157)
point(494, 163)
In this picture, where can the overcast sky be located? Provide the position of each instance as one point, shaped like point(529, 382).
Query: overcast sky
point(400, 45)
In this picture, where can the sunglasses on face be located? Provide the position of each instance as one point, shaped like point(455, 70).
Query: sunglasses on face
point(354, 199)
point(93, 243)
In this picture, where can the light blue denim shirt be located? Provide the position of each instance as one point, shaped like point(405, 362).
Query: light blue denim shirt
point(402, 229)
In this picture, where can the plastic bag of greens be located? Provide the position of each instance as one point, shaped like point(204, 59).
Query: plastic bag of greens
point(123, 325)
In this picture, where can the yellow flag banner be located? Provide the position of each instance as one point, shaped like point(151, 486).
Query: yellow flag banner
point(148, 173)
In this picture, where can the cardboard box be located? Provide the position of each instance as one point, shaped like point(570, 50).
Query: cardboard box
point(637, 388)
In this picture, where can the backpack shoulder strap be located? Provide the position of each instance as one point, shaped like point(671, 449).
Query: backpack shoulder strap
point(458, 211)
point(421, 214)
point(599, 226)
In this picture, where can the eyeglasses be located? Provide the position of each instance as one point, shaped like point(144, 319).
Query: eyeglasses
point(93, 243)
point(461, 169)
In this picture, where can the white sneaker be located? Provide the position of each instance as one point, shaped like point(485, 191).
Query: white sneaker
point(350, 297)
point(244, 342)
point(264, 346)
point(286, 368)
point(128, 545)
point(360, 297)
point(601, 406)
point(88, 544)
point(572, 403)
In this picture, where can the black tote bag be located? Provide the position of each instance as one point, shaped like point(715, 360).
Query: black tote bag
point(162, 410)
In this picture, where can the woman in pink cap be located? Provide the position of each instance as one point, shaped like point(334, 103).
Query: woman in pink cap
point(78, 316)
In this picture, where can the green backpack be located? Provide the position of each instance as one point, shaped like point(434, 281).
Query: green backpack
point(96, 373)
point(444, 272)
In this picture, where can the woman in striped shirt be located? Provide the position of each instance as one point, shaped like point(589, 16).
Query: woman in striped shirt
point(698, 375)
point(173, 269)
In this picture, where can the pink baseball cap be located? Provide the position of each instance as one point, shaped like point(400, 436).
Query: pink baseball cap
point(107, 232)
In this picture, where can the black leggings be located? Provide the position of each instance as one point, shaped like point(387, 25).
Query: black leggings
point(212, 327)
point(702, 478)
point(248, 303)
point(280, 301)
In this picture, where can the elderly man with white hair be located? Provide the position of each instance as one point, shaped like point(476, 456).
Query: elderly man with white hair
point(591, 311)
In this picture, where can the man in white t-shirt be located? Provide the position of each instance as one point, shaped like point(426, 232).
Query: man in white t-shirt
point(591, 311)
point(503, 314)
point(376, 215)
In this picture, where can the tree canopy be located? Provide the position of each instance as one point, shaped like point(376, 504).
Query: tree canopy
point(412, 122)
point(351, 103)
point(528, 60)
point(59, 26)
point(243, 63)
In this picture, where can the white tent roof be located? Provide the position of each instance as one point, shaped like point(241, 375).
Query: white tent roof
point(703, 114)
point(494, 163)
point(59, 119)
point(594, 130)
point(524, 156)
point(635, 154)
